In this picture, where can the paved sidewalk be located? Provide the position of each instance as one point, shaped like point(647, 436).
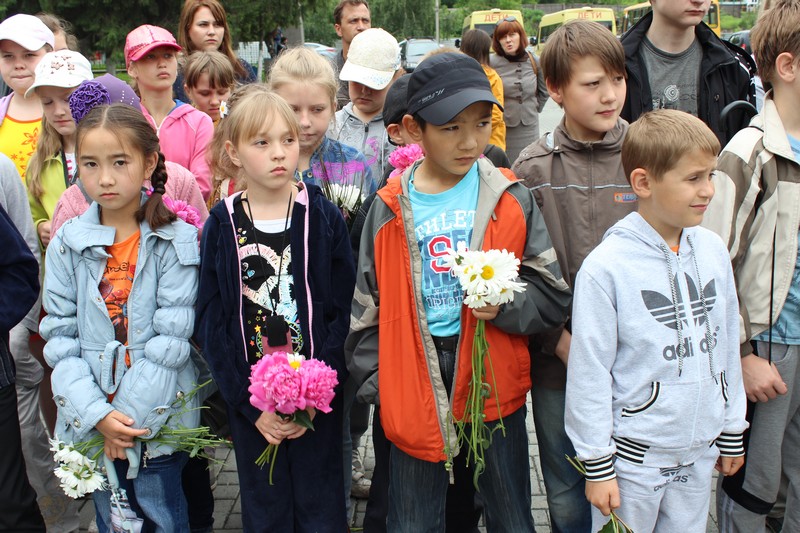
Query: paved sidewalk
point(227, 508)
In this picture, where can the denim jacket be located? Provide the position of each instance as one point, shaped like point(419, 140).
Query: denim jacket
point(88, 362)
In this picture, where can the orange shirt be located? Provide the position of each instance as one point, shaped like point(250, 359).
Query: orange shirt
point(115, 287)
point(18, 141)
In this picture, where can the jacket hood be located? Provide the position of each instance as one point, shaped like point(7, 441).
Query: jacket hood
point(775, 136)
point(85, 234)
point(348, 110)
point(635, 227)
point(559, 141)
point(180, 110)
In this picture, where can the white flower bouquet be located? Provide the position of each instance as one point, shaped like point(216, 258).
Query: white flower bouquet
point(488, 278)
point(348, 197)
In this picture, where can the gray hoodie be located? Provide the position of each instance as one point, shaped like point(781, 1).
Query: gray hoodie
point(642, 382)
point(370, 138)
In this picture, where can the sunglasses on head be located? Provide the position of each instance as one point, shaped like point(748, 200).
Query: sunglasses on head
point(511, 18)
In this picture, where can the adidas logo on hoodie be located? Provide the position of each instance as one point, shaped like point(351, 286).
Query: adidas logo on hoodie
point(662, 309)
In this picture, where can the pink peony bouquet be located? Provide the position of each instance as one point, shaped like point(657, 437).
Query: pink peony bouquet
point(288, 385)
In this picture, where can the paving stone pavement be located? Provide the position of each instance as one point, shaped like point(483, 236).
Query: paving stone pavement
point(228, 513)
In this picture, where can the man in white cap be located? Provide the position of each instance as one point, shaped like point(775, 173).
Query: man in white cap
point(373, 62)
point(24, 40)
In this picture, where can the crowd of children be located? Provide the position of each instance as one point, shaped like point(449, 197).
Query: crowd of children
point(658, 266)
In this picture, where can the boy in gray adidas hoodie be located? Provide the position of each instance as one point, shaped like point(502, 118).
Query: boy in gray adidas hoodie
point(654, 387)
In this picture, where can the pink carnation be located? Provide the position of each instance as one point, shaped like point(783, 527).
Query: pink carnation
point(405, 156)
point(276, 386)
point(320, 381)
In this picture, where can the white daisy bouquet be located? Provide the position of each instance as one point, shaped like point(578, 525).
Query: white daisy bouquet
point(348, 197)
point(77, 463)
point(78, 473)
point(488, 278)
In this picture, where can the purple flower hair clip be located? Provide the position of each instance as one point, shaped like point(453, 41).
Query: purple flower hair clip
point(86, 97)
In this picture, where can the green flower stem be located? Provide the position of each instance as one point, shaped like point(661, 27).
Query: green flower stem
point(472, 429)
point(615, 523)
point(301, 418)
point(268, 456)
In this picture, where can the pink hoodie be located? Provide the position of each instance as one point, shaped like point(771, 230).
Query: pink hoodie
point(181, 185)
point(184, 136)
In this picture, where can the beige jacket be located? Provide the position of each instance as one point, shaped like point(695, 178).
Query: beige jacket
point(756, 204)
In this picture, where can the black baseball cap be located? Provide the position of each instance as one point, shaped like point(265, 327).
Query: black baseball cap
point(396, 103)
point(443, 85)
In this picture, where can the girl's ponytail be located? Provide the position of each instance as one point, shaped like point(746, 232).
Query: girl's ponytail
point(153, 210)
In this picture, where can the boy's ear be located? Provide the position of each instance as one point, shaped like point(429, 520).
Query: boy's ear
point(393, 130)
point(555, 92)
point(413, 128)
point(233, 153)
point(786, 67)
point(640, 183)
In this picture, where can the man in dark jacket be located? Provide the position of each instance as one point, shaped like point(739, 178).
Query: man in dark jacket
point(19, 288)
point(674, 61)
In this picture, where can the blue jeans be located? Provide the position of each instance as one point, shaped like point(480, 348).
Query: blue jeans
point(155, 495)
point(570, 512)
point(418, 489)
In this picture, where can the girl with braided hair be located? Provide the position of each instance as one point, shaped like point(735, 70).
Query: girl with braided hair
point(118, 368)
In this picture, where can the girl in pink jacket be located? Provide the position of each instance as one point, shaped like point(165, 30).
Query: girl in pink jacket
point(183, 131)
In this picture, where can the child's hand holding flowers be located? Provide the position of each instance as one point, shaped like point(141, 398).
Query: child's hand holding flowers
point(118, 434)
point(275, 428)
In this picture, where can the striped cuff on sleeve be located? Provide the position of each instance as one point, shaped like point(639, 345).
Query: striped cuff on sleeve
point(731, 444)
point(600, 469)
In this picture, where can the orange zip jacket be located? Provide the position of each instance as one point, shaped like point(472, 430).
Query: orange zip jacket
point(389, 332)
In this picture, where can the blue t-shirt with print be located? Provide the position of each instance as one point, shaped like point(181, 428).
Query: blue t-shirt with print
point(441, 221)
point(787, 328)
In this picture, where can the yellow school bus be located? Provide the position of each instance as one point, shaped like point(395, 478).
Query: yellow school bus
point(632, 14)
point(487, 20)
point(552, 21)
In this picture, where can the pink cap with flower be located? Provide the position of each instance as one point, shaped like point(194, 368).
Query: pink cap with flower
point(146, 38)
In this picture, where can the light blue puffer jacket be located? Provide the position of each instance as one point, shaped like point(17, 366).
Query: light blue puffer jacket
point(88, 362)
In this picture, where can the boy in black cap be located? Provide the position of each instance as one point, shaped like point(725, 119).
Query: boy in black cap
point(448, 197)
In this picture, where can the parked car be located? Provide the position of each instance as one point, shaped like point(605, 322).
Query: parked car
point(321, 49)
point(742, 40)
point(413, 50)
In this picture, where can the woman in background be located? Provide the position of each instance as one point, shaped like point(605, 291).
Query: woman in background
point(523, 85)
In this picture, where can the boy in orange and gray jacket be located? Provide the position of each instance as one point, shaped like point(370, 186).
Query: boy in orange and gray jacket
point(407, 312)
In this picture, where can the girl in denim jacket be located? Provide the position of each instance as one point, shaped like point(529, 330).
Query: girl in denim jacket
point(120, 290)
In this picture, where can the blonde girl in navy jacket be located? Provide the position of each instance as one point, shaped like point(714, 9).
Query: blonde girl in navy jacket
point(312, 295)
point(121, 364)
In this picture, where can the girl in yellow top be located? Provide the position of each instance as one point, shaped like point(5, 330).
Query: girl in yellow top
point(52, 167)
point(24, 40)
